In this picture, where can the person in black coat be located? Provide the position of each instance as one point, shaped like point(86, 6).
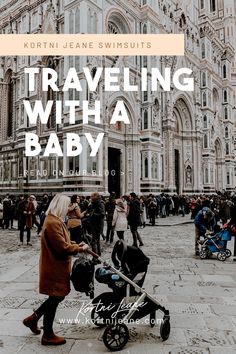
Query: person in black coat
point(96, 217)
point(109, 208)
point(152, 207)
point(6, 211)
point(134, 219)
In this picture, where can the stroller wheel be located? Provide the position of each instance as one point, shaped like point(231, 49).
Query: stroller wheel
point(165, 328)
point(228, 253)
point(203, 254)
point(97, 319)
point(116, 336)
point(152, 319)
point(221, 256)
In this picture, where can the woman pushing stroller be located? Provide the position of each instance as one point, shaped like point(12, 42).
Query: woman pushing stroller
point(55, 268)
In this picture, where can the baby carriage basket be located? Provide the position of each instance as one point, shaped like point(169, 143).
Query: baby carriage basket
point(128, 302)
point(216, 244)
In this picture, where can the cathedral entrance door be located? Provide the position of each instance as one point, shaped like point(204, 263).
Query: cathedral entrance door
point(177, 182)
point(114, 156)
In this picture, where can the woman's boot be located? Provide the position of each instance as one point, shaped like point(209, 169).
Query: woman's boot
point(49, 338)
point(32, 323)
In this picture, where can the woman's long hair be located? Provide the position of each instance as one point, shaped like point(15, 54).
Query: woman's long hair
point(59, 205)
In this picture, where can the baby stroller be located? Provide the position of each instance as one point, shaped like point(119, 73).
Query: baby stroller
point(216, 243)
point(128, 301)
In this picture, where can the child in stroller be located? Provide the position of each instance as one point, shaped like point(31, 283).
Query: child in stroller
point(128, 301)
point(216, 243)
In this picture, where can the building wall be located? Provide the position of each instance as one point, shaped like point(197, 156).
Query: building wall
point(176, 142)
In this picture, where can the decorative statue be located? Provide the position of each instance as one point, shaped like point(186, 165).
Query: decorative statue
point(189, 175)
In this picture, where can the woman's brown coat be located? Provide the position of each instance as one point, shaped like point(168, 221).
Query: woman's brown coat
point(30, 209)
point(55, 257)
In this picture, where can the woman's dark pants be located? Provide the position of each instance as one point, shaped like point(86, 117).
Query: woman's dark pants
point(48, 311)
point(22, 225)
point(76, 234)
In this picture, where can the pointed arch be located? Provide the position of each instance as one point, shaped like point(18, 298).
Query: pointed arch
point(117, 22)
point(183, 114)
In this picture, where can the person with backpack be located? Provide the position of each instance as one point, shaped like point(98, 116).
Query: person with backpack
point(54, 268)
point(134, 219)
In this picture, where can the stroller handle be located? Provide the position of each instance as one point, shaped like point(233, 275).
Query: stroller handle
point(95, 255)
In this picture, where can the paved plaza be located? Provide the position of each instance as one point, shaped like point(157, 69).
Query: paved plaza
point(200, 294)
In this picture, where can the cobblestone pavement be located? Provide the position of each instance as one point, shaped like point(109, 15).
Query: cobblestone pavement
point(201, 297)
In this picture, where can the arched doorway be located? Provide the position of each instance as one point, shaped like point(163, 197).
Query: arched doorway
point(123, 151)
point(183, 152)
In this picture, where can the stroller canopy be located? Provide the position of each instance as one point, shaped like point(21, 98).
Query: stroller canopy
point(131, 259)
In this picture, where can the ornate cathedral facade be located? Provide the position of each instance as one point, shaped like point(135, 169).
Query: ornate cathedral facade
point(178, 142)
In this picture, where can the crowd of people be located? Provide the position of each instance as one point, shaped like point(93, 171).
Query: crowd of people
point(88, 215)
point(68, 226)
point(26, 210)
